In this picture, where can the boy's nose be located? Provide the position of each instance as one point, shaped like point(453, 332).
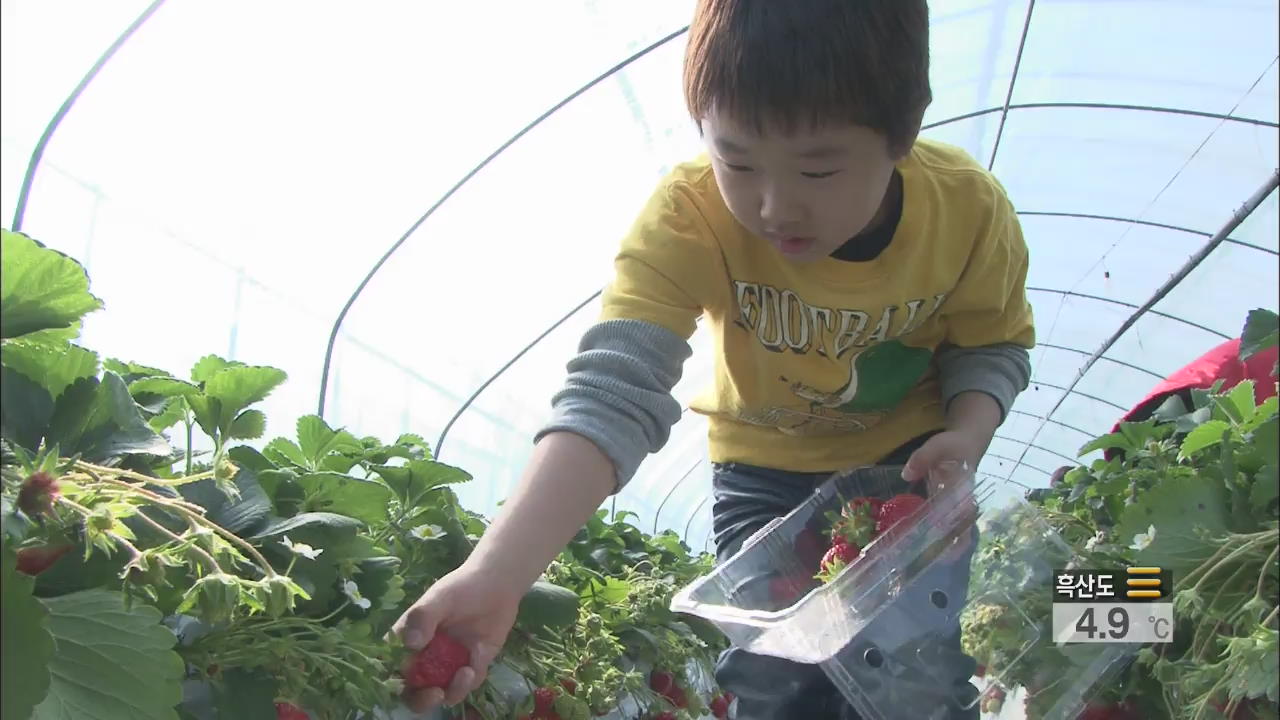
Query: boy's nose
point(779, 213)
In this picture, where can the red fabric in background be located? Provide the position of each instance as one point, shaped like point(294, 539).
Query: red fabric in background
point(1221, 363)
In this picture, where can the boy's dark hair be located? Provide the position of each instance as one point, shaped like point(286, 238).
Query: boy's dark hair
point(797, 64)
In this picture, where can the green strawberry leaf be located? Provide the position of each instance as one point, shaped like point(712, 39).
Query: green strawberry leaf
point(317, 529)
point(1179, 508)
point(416, 478)
point(131, 371)
point(1207, 435)
point(25, 644)
point(101, 421)
point(40, 288)
point(248, 425)
point(245, 695)
point(110, 662)
point(237, 387)
point(206, 411)
point(53, 367)
point(317, 440)
point(1266, 488)
point(1239, 401)
point(282, 451)
point(246, 457)
point(243, 516)
point(365, 500)
point(417, 445)
point(1112, 441)
point(163, 386)
point(1261, 331)
point(25, 409)
point(210, 365)
point(171, 414)
point(547, 606)
point(569, 707)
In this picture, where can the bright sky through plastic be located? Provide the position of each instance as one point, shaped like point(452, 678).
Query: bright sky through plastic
point(239, 166)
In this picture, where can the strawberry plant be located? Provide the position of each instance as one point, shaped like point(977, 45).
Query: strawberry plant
point(1193, 489)
point(262, 580)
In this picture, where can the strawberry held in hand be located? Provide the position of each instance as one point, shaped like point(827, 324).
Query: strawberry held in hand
point(435, 665)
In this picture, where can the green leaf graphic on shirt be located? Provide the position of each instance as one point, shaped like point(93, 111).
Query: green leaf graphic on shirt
point(882, 375)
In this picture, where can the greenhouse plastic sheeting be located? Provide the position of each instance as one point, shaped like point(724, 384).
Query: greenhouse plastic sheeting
point(238, 168)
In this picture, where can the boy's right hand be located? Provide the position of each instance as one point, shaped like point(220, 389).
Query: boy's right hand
point(477, 610)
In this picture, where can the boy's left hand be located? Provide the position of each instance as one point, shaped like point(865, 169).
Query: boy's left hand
point(972, 419)
point(949, 446)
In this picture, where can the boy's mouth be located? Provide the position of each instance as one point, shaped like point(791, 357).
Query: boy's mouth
point(794, 245)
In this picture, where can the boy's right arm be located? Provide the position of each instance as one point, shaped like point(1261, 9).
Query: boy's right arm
point(567, 478)
point(615, 408)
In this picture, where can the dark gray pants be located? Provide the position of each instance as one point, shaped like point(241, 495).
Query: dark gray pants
point(768, 688)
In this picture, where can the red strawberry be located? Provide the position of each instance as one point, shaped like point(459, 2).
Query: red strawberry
point(808, 544)
point(37, 493)
point(862, 506)
point(661, 681)
point(719, 707)
point(786, 589)
point(896, 509)
point(435, 665)
point(840, 555)
point(35, 560)
point(678, 697)
point(544, 701)
point(728, 696)
point(665, 715)
point(980, 671)
point(289, 711)
point(570, 686)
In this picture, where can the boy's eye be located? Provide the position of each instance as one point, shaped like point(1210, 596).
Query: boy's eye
point(738, 168)
point(820, 175)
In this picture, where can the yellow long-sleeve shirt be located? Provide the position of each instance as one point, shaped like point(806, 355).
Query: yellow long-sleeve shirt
point(830, 364)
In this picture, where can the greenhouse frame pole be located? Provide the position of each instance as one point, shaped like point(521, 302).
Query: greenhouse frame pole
point(1238, 217)
point(37, 153)
point(337, 323)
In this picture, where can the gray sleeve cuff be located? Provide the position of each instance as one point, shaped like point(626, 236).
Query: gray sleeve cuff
point(618, 393)
point(1001, 371)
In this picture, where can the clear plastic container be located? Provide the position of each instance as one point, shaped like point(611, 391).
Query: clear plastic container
point(965, 582)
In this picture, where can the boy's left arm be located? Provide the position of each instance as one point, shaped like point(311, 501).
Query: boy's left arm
point(985, 362)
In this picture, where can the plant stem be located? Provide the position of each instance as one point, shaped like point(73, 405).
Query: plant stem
point(199, 551)
point(1270, 617)
point(186, 419)
point(96, 470)
point(1262, 576)
point(1238, 551)
point(235, 539)
point(154, 498)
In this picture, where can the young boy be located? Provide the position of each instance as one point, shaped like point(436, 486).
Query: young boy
point(866, 291)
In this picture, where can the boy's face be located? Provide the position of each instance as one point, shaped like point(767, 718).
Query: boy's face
point(806, 193)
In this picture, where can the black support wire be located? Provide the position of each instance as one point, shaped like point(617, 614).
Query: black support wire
point(1147, 223)
point(466, 404)
point(674, 486)
point(1101, 106)
point(1086, 353)
point(34, 163)
point(1131, 306)
point(1040, 383)
point(337, 323)
point(1013, 80)
point(1238, 217)
point(1041, 448)
point(1059, 423)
